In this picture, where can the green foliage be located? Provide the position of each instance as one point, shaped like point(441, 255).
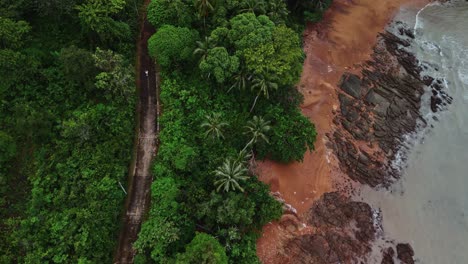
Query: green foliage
point(7, 153)
point(204, 7)
point(229, 175)
point(96, 16)
point(256, 129)
point(171, 45)
point(309, 10)
point(169, 12)
point(220, 64)
point(116, 79)
point(249, 31)
point(278, 59)
point(204, 249)
point(214, 125)
point(56, 8)
point(291, 136)
point(7, 148)
point(77, 65)
point(66, 139)
point(75, 191)
point(12, 33)
point(166, 225)
point(248, 46)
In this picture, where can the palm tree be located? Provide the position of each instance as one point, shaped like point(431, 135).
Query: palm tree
point(229, 174)
point(214, 125)
point(263, 86)
point(241, 80)
point(244, 156)
point(204, 8)
point(203, 47)
point(277, 11)
point(257, 128)
point(322, 4)
point(255, 6)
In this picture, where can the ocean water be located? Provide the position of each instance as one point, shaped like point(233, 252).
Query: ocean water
point(428, 207)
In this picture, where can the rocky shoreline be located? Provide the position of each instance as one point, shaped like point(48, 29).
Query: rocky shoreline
point(380, 108)
point(376, 111)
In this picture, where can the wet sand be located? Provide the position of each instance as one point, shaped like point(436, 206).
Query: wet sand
point(343, 41)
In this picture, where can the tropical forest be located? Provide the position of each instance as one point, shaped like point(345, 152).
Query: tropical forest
point(162, 108)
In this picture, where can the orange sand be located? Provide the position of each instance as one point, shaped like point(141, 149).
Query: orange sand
point(341, 42)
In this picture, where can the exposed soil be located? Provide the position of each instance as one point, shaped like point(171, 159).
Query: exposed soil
point(338, 49)
point(138, 196)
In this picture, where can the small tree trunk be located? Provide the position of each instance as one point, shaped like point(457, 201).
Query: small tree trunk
point(255, 102)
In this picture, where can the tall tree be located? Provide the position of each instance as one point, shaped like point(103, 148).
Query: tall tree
point(204, 7)
point(262, 85)
point(257, 128)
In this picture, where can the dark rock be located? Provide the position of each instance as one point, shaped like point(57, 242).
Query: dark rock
point(435, 102)
point(345, 103)
point(406, 32)
point(351, 84)
point(344, 231)
point(374, 98)
point(405, 253)
point(310, 249)
point(427, 80)
point(352, 115)
point(387, 256)
point(364, 159)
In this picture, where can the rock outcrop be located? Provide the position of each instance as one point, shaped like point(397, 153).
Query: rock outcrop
point(378, 109)
point(343, 232)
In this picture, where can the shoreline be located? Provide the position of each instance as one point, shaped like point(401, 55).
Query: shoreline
point(342, 43)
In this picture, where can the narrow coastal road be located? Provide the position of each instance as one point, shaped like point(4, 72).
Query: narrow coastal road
point(138, 196)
